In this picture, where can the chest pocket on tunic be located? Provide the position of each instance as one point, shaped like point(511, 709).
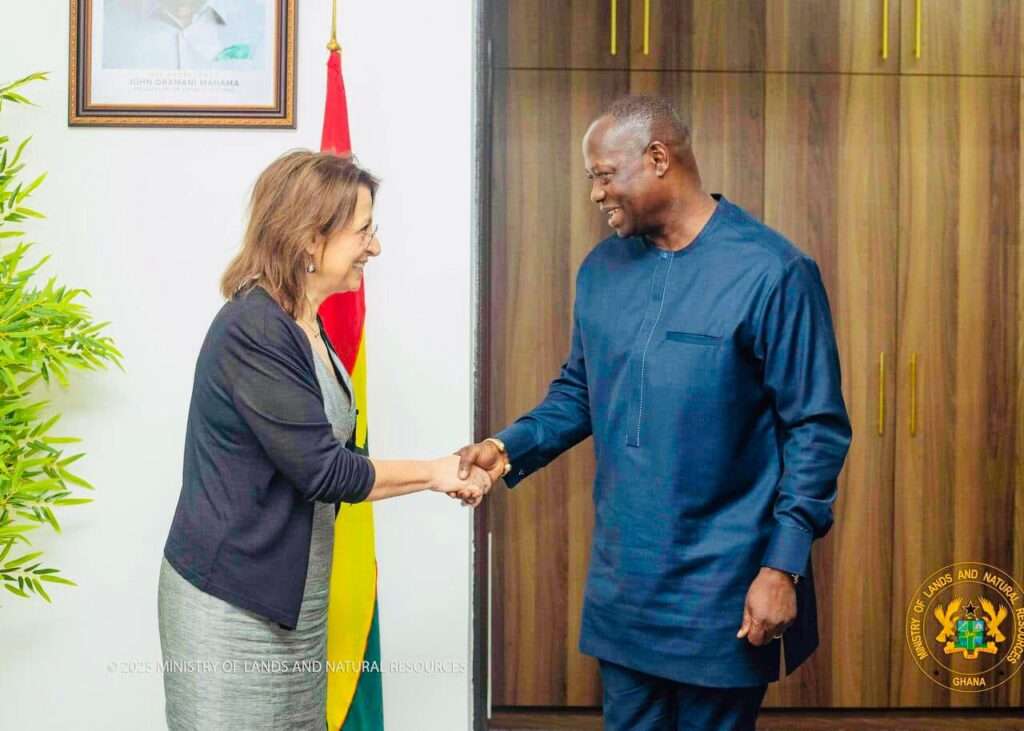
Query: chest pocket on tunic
point(689, 368)
point(679, 336)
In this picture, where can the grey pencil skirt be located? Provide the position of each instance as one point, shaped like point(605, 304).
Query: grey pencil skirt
point(227, 668)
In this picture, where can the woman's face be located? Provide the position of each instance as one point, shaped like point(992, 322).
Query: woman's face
point(340, 263)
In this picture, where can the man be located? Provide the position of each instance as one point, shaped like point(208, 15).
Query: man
point(703, 362)
point(213, 35)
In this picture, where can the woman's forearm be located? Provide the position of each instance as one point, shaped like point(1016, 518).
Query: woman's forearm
point(402, 477)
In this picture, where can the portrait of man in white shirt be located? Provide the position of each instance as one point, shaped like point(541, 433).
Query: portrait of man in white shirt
point(197, 35)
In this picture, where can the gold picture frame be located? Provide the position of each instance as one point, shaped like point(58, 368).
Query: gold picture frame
point(155, 71)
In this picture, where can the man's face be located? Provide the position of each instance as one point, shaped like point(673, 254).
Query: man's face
point(622, 181)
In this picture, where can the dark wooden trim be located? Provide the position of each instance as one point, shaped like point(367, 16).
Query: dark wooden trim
point(481, 367)
point(779, 719)
point(514, 719)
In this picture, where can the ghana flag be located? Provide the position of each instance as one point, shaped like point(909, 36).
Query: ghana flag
point(354, 692)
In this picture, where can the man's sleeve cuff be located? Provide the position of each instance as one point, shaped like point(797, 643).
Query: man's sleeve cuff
point(789, 550)
point(520, 443)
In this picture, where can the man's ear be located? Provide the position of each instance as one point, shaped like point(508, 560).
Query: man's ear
point(659, 156)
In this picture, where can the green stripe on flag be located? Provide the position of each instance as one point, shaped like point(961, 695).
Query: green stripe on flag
point(366, 713)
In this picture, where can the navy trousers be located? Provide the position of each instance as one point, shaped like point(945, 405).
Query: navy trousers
point(635, 701)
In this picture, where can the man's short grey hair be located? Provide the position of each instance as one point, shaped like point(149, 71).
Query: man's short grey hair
point(655, 114)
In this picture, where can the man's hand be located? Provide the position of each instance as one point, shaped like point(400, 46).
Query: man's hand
point(480, 456)
point(484, 455)
point(770, 607)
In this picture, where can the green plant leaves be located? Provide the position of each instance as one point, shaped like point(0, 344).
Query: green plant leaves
point(8, 93)
point(44, 332)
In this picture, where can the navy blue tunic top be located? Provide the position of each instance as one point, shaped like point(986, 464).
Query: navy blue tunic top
point(709, 379)
point(259, 451)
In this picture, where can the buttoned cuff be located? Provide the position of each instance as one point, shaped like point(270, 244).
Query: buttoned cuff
point(520, 443)
point(789, 550)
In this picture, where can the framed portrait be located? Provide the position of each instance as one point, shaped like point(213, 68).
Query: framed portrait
point(182, 63)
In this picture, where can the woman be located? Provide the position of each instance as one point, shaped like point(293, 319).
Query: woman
point(244, 579)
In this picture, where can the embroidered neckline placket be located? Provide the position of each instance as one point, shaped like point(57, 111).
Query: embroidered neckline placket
point(650, 336)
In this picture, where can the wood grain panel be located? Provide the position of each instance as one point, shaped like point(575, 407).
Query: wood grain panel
point(906, 190)
point(725, 35)
point(1016, 685)
point(543, 225)
point(958, 480)
point(560, 34)
point(725, 113)
point(963, 37)
point(831, 176)
point(831, 36)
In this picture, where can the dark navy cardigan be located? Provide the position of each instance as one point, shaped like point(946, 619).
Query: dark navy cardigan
point(259, 451)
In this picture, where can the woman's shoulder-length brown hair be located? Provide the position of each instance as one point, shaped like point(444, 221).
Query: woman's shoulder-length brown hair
point(301, 194)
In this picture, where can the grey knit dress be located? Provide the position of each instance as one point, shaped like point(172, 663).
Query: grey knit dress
point(228, 668)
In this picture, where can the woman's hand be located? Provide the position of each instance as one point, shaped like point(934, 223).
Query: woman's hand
point(470, 491)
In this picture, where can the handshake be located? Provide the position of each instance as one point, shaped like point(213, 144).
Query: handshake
point(469, 474)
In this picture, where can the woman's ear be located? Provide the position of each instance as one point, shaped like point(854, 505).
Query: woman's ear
point(315, 246)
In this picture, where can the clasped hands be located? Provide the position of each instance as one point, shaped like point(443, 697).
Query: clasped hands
point(469, 474)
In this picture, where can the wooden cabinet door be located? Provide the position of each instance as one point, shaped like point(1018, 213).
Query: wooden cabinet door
point(724, 35)
point(969, 37)
point(725, 113)
point(833, 36)
point(561, 34)
point(959, 489)
point(831, 175)
point(543, 225)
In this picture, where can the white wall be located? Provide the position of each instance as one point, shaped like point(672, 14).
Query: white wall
point(147, 219)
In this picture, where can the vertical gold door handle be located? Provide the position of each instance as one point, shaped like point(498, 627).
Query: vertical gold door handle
point(885, 29)
point(913, 395)
point(881, 393)
point(647, 27)
point(615, 17)
point(917, 27)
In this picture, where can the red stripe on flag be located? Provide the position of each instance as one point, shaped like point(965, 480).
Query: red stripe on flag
point(335, 137)
point(343, 314)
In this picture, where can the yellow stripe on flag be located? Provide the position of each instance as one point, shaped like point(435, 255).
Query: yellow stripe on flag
point(352, 598)
point(353, 592)
point(358, 377)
